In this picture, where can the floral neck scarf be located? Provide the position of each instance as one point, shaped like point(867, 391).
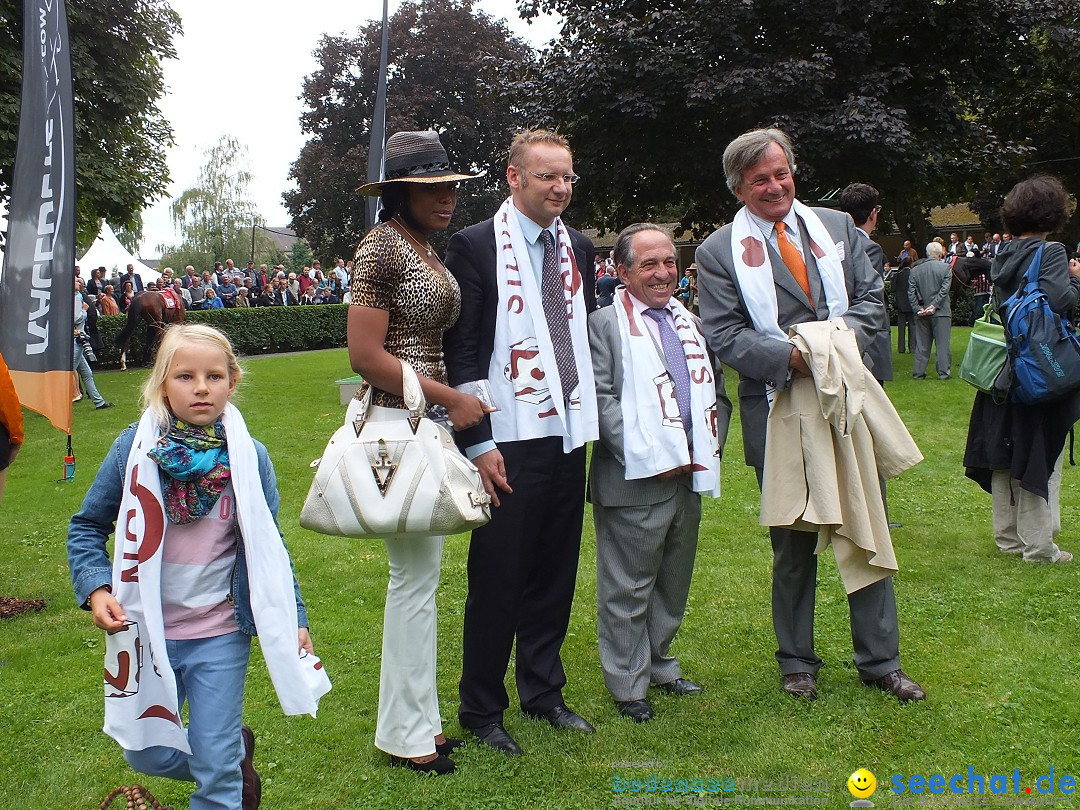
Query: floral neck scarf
point(194, 467)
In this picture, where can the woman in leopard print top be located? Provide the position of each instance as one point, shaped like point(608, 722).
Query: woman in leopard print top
point(403, 299)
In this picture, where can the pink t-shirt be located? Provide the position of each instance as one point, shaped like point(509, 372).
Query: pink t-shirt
point(196, 573)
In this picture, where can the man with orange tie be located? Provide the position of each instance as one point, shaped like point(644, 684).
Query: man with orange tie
point(776, 264)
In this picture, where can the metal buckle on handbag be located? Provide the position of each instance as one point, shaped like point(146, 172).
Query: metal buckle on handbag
point(479, 500)
point(383, 469)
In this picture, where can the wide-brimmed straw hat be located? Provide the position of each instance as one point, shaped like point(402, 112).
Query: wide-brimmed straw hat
point(415, 157)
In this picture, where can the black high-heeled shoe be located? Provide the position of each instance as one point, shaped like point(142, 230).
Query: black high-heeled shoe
point(448, 747)
point(439, 766)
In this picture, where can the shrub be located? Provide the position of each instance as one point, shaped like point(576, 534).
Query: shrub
point(252, 330)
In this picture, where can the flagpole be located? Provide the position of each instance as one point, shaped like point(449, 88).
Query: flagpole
point(378, 121)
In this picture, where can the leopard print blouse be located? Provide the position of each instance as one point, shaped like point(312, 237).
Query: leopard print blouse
point(422, 303)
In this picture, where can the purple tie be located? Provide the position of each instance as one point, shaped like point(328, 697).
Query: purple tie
point(676, 363)
point(554, 299)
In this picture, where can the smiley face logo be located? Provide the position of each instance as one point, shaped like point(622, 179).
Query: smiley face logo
point(862, 784)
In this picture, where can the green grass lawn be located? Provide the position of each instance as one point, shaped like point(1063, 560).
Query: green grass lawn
point(993, 640)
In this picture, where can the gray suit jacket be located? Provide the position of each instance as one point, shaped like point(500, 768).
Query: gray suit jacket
point(758, 358)
point(607, 475)
point(929, 284)
point(880, 350)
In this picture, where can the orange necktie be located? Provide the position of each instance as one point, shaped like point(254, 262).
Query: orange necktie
point(793, 260)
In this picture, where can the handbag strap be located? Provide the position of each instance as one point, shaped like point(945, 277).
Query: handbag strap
point(412, 393)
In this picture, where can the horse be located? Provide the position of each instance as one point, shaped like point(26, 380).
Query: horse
point(965, 268)
point(149, 306)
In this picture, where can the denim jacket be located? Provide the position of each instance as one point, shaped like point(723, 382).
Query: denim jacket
point(96, 520)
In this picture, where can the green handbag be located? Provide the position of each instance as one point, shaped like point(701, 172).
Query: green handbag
point(986, 352)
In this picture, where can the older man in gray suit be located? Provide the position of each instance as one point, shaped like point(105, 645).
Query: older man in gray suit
point(928, 292)
point(780, 263)
point(663, 421)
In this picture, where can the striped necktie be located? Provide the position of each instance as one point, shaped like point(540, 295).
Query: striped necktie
point(553, 295)
point(676, 363)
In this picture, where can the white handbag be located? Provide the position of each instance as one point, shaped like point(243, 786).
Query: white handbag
point(394, 478)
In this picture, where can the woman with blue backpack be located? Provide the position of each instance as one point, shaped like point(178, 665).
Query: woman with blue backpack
point(1014, 449)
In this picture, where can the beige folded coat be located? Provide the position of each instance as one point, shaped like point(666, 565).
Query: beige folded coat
point(830, 439)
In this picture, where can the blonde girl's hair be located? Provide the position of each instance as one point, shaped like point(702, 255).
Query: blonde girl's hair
point(153, 391)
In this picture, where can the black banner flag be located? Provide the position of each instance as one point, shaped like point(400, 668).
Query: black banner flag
point(37, 286)
point(377, 139)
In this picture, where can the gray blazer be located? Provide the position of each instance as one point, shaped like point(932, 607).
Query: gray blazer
point(760, 359)
point(607, 475)
point(928, 284)
point(880, 351)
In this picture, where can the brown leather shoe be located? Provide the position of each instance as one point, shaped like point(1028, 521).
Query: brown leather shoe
point(801, 685)
point(899, 684)
point(252, 795)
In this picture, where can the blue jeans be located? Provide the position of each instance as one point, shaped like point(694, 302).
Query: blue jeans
point(210, 674)
point(82, 368)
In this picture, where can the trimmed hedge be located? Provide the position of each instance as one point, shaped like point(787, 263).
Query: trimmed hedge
point(252, 330)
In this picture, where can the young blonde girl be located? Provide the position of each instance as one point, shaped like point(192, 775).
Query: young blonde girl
point(199, 565)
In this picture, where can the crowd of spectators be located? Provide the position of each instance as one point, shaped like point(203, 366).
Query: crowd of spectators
point(223, 287)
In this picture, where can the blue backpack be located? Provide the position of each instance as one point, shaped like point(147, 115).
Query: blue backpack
point(1043, 347)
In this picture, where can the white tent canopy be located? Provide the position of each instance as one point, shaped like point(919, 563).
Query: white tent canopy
point(107, 252)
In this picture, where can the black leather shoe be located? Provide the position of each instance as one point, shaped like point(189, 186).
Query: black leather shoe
point(440, 766)
point(495, 736)
point(449, 746)
point(899, 684)
point(103, 406)
point(562, 717)
point(681, 686)
point(252, 791)
point(801, 685)
point(640, 711)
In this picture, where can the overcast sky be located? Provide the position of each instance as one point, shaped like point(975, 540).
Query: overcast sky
point(239, 71)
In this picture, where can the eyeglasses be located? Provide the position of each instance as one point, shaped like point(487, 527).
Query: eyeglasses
point(877, 208)
point(551, 177)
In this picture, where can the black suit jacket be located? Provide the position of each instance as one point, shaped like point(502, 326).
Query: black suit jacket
point(135, 279)
point(468, 344)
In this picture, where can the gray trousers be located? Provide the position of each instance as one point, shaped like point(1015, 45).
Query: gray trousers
point(874, 631)
point(934, 329)
point(644, 563)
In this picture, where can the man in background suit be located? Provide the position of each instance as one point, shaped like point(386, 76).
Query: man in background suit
point(527, 287)
point(779, 263)
point(647, 516)
point(860, 201)
point(133, 277)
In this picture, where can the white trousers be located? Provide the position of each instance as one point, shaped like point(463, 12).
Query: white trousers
point(1024, 523)
point(409, 718)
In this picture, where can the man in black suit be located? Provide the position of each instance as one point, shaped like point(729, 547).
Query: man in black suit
point(283, 296)
point(860, 200)
point(527, 286)
point(133, 277)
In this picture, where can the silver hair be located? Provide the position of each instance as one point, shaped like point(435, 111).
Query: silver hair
point(934, 250)
point(749, 148)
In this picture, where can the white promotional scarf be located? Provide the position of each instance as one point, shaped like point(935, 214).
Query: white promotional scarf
point(750, 254)
point(523, 373)
point(654, 440)
point(140, 691)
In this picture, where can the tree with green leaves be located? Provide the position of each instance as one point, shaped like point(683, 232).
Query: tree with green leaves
point(903, 94)
point(215, 216)
point(451, 69)
point(121, 137)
